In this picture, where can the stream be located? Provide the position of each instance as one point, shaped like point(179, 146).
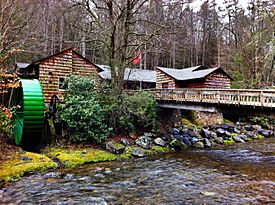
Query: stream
point(236, 174)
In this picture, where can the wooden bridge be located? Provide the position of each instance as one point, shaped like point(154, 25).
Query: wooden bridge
point(217, 97)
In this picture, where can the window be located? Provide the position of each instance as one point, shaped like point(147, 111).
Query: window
point(164, 85)
point(60, 83)
point(50, 73)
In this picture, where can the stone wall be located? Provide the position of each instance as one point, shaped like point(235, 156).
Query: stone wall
point(209, 118)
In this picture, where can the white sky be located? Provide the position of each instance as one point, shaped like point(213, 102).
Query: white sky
point(197, 3)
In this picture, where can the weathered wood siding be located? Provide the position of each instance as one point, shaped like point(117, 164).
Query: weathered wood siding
point(58, 66)
point(217, 79)
point(164, 78)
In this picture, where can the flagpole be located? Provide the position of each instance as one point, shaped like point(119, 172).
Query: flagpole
point(140, 67)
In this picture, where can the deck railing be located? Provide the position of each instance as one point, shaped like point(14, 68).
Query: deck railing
point(238, 97)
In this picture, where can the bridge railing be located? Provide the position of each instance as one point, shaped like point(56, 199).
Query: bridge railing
point(257, 98)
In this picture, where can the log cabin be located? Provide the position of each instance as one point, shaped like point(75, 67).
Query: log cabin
point(52, 70)
point(194, 77)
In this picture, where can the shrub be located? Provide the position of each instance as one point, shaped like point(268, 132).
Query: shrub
point(81, 111)
point(6, 125)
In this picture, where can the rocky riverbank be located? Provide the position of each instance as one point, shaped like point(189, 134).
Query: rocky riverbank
point(183, 135)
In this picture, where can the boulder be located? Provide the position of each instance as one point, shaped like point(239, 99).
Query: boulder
point(249, 134)
point(205, 133)
point(237, 131)
point(226, 126)
point(257, 127)
point(192, 133)
point(198, 144)
point(207, 142)
point(248, 127)
point(265, 133)
point(244, 137)
point(187, 140)
point(217, 139)
point(174, 143)
point(175, 131)
point(114, 147)
point(138, 153)
point(228, 134)
point(238, 139)
point(124, 142)
point(220, 132)
point(144, 142)
point(160, 142)
point(194, 140)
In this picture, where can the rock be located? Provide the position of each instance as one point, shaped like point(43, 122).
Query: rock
point(218, 140)
point(265, 133)
point(226, 126)
point(238, 139)
point(175, 131)
point(198, 144)
point(237, 131)
point(194, 140)
point(228, 134)
point(249, 134)
point(94, 200)
point(220, 132)
point(207, 142)
point(174, 143)
point(248, 127)
point(192, 133)
point(124, 142)
point(160, 142)
point(144, 142)
point(138, 153)
point(186, 140)
point(205, 133)
point(244, 137)
point(114, 147)
point(208, 193)
point(257, 127)
point(24, 158)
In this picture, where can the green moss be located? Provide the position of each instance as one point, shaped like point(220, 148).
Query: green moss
point(225, 121)
point(187, 123)
point(229, 141)
point(16, 168)
point(75, 157)
point(259, 137)
point(157, 149)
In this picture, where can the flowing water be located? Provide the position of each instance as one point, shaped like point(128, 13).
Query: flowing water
point(240, 174)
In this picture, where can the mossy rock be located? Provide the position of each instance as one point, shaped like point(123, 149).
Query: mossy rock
point(229, 141)
point(75, 157)
point(260, 137)
point(188, 123)
point(16, 167)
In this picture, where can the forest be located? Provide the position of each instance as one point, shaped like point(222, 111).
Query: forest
point(167, 33)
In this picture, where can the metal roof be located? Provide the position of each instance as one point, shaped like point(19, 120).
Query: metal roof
point(131, 74)
point(189, 73)
point(21, 65)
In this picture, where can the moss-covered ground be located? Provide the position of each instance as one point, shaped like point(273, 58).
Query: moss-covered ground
point(21, 163)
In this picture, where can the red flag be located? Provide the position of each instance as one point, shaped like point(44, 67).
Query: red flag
point(137, 58)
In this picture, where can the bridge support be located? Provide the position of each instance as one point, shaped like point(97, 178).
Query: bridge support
point(209, 118)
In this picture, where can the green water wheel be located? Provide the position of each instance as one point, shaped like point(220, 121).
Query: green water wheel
point(29, 116)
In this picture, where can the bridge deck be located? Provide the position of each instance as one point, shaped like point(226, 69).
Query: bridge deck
point(254, 98)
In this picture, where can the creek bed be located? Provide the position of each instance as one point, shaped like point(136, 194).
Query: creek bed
point(239, 174)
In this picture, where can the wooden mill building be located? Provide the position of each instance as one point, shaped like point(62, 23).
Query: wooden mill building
point(51, 71)
point(134, 79)
point(194, 77)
